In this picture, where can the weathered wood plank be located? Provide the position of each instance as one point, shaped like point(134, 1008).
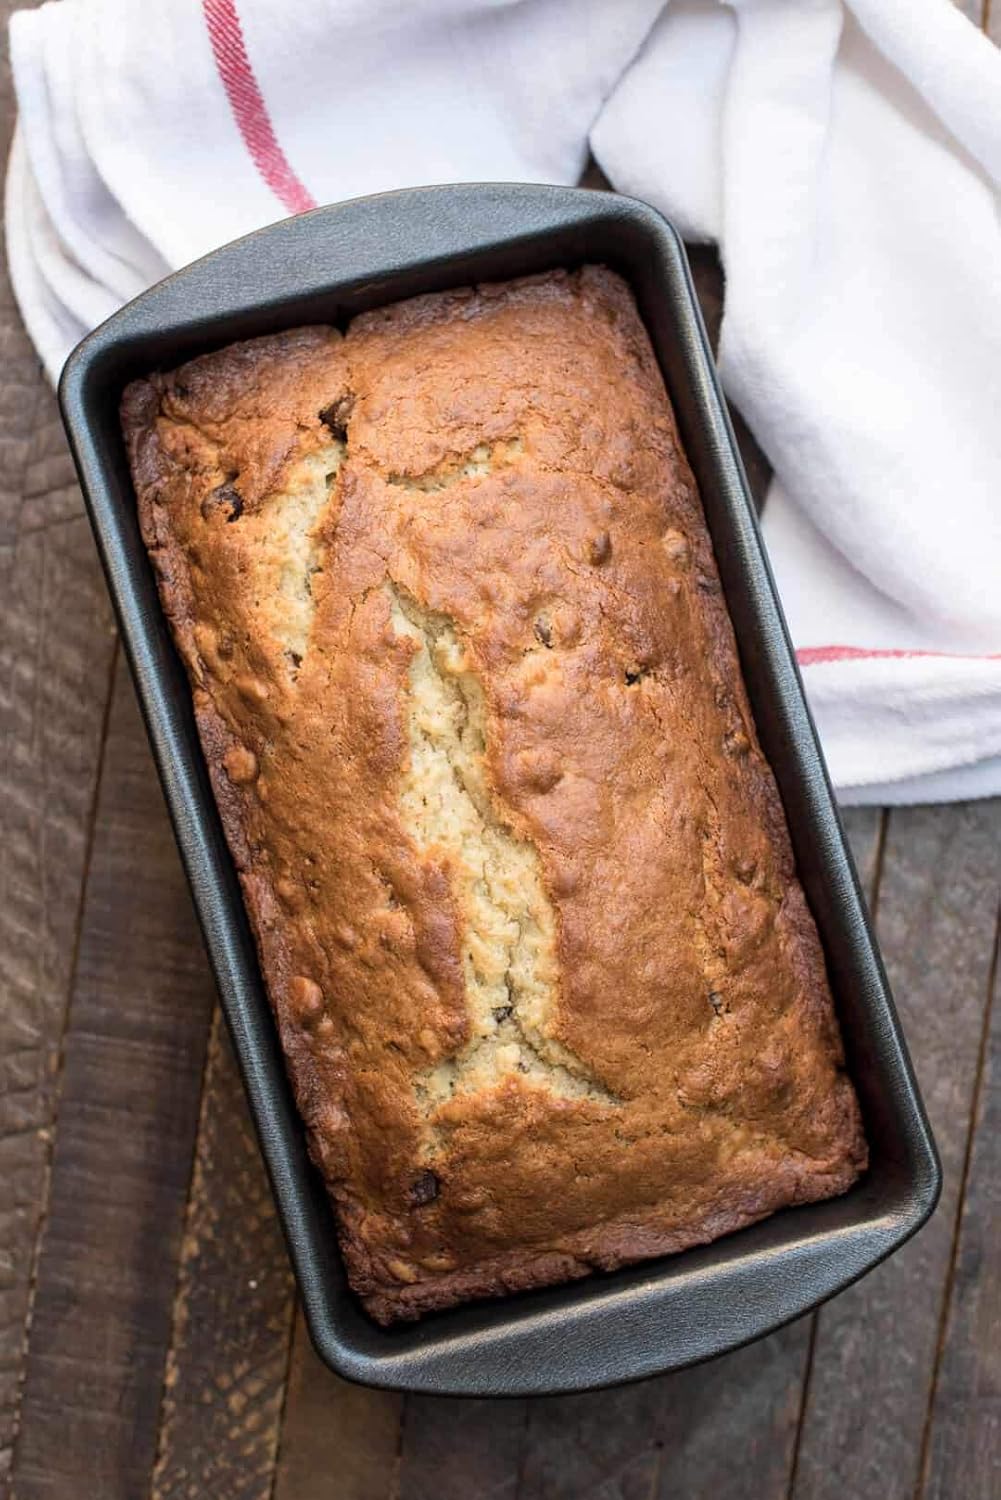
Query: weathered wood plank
point(49, 491)
point(55, 653)
point(604, 1444)
point(964, 1435)
point(870, 1382)
point(128, 1109)
point(677, 1435)
point(453, 1448)
point(337, 1439)
point(56, 645)
point(864, 829)
point(232, 1317)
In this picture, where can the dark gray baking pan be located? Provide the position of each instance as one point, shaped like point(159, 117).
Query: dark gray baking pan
point(326, 266)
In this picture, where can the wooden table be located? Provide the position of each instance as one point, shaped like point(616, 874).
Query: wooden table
point(150, 1342)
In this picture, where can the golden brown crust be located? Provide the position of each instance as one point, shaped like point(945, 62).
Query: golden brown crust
point(513, 470)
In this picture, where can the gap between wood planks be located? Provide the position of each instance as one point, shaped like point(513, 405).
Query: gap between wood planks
point(964, 1452)
point(869, 861)
point(924, 1468)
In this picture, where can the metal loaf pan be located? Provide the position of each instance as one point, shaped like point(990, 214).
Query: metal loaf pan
point(326, 266)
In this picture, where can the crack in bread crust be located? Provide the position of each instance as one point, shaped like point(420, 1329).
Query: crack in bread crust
point(509, 957)
point(292, 515)
point(484, 459)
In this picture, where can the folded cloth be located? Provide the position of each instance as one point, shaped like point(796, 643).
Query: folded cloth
point(846, 158)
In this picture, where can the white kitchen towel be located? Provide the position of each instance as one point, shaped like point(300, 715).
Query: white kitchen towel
point(846, 157)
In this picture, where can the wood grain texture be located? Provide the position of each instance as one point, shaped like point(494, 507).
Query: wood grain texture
point(964, 1432)
point(339, 1441)
point(56, 644)
point(55, 652)
point(676, 1435)
point(50, 494)
point(453, 1448)
point(864, 828)
point(604, 1444)
point(228, 1356)
point(871, 1377)
point(128, 1108)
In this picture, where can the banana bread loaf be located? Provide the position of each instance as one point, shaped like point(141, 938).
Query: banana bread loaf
point(549, 991)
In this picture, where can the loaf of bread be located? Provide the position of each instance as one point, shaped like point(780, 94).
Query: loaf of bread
point(549, 991)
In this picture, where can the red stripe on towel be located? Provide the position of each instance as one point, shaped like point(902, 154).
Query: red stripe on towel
point(813, 656)
point(222, 20)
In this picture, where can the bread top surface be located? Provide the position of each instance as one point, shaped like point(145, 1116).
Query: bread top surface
point(548, 987)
